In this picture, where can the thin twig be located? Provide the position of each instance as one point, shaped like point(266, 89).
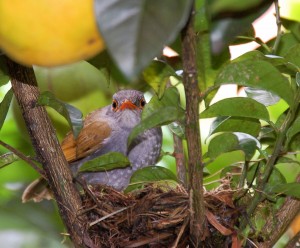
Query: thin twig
point(278, 23)
point(107, 216)
point(179, 158)
point(23, 157)
point(185, 222)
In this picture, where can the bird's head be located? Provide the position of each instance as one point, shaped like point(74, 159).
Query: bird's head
point(127, 106)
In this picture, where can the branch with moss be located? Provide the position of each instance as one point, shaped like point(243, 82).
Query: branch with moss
point(49, 152)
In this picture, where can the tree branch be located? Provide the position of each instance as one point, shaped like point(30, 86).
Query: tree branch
point(195, 166)
point(49, 152)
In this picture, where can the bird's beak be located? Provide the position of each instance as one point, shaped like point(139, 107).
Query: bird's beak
point(127, 104)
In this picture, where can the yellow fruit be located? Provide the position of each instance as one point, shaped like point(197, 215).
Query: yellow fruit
point(48, 32)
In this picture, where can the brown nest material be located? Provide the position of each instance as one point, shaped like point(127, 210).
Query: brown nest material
point(156, 217)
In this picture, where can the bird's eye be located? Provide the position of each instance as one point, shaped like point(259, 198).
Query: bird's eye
point(142, 103)
point(114, 104)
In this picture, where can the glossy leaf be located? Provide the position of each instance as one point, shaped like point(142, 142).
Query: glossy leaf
point(260, 74)
point(235, 124)
point(248, 144)
point(264, 97)
point(157, 75)
point(108, 161)
point(136, 31)
point(4, 106)
point(237, 106)
point(222, 143)
point(7, 159)
point(69, 112)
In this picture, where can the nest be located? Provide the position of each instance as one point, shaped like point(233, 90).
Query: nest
point(156, 217)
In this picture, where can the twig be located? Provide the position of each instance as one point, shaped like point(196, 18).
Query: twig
point(185, 222)
point(107, 216)
point(179, 158)
point(23, 157)
point(278, 22)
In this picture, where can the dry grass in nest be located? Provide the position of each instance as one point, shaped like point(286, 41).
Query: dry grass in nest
point(154, 216)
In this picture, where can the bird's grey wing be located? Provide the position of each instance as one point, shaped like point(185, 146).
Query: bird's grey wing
point(145, 149)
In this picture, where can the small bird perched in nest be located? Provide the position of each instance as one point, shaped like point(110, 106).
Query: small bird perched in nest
point(107, 130)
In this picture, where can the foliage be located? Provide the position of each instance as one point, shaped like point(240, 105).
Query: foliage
point(245, 143)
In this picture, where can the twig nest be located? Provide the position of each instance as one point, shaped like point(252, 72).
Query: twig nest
point(155, 216)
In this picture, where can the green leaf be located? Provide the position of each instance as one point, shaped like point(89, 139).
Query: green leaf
point(150, 174)
point(290, 189)
point(136, 31)
point(177, 129)
point(292, 26)
point(235, 124)
point(157, 75)
point(247, 144)
point(4, 106)
point(225, 29)
point(79, 78)
point(237, 106)
point(4, 78)
point(108, 161)
point(293, 55)
point(159, 112)
point(225, 142)
point(281, 63)
point(169, 99)
point(293, 130)
point(7, 159)
point(158, 118)
point(260, 74)
point(69, 112)
point(264, 97)
point(217, 6)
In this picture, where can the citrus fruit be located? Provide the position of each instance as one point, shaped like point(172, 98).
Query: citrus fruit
point(47, 32)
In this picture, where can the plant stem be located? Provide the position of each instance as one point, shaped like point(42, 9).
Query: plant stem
point(23, 157)
point(49, 152)
point(192, 129)
point(179, 158)
point(278, 22)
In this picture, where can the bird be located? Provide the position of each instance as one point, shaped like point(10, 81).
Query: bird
point(107, 130)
